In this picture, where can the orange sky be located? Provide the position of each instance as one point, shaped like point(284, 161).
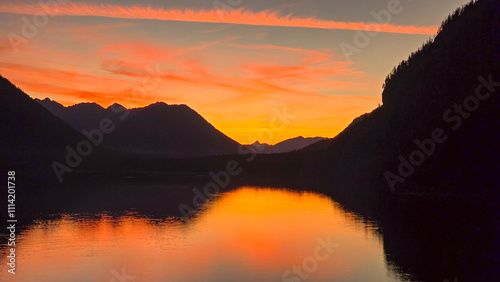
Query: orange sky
point(235, 16)
point(236, 70)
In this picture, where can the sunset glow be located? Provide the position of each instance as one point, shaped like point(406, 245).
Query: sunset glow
point(250, 140)
point(212, 241)
point(236, 16)
point(236, 67)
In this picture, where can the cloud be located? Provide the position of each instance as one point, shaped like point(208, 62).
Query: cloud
point(234, 76)
point(236, 71)
point(219, 79)
point(94, 28)
point(239, 16)
point(72, 84)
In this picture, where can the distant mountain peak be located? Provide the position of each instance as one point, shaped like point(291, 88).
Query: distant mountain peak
point(257, 144)
point(159, 128)
point(115, 106)
point(159, 104)
point(48, 100)
point(289, 145)
point(89, 105)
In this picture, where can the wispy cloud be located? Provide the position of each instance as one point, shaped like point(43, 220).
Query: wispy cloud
point(94, 28)
point(239, 16)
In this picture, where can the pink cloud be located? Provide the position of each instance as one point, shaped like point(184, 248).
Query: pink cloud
point(239, 16)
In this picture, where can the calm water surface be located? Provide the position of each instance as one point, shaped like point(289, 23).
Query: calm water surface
point(250, 234)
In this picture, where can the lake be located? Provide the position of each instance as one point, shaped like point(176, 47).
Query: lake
point(248, 234)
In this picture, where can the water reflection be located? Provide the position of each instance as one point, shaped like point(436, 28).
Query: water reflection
point(250, 234)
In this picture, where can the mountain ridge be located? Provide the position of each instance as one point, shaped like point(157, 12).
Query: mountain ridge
point(149, 130)
point(286, 146)
point(420, 96)
point(30, 126)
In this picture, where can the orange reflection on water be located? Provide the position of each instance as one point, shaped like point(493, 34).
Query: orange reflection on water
point(273, 230)
point(250, 234)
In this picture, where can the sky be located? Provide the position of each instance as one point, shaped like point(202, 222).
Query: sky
point(257, 70)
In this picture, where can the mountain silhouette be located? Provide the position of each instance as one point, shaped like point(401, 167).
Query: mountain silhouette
point(171, 130)
point(83, 116)
point(286, 146)
point(158, 129)
point(446, 91)
point(32, 139)
point(29, 128)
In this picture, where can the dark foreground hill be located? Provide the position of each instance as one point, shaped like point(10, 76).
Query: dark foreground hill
point(28, 127)
point(32, 138)
point(438, 130)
